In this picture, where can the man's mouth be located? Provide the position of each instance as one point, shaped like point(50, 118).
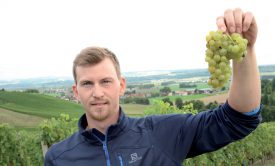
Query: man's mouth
point(99, 103)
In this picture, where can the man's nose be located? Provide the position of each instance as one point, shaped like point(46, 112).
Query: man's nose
point(97, 92)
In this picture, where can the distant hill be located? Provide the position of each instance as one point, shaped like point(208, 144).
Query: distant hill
point(169, 74)
point(44, 82)
point(267, 71)
point(267, 68)
point(39, 105)
point(142, 77)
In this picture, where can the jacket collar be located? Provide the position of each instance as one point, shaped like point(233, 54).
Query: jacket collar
point(112, 131)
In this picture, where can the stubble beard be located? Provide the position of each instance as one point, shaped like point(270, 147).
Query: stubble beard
point(100, 114)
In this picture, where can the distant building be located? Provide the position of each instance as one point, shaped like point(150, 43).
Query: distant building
point(203, 91)
point(181, 93)
point(144, 95)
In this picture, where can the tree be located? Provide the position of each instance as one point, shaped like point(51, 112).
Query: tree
point(155, 94)
point(266, 86)
point(142, 100)
point(160, 107)
point(197, 104)
point(270, 100)
point(179, 103)
point(212, 105)
point(165, 90)
point(273, 84)
point(264, 82)
point(268, 89)
point(167, 100)
point(187, 85)
point(146, 86)
point(135, 100)
point(31, 91)
point(265, 99)
point(268, 113)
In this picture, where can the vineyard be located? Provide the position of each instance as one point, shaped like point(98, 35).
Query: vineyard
point(22, 148)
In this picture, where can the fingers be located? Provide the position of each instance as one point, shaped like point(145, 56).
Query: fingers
point(229, 20)
point(221, 24)
point(238, 14)
point(234, 21)
point(248, 18)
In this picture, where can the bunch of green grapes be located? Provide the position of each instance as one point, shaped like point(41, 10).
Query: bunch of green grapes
point(221, 48)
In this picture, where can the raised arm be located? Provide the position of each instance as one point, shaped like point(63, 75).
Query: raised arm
point(245, 90)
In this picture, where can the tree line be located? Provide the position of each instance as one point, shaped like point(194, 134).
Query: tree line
point(197, 104)
point(268, 99)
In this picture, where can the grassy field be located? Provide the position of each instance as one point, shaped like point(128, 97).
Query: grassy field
point(29, 122)
point(38, 105)
point(25, 110)
point(18, 119)
point(134, 110)
point(48, 106)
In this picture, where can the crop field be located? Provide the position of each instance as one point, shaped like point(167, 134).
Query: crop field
point(134, 110)
point(38, 105)
point(18, 119)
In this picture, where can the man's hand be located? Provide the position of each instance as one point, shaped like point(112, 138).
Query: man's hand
point(240, 22)
point(245, 90)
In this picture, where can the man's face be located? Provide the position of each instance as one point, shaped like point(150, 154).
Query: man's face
point(98, 89)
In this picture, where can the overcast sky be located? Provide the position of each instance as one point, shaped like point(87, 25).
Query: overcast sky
point(41, 38)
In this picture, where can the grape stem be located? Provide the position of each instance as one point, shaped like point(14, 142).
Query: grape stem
point(230, 38)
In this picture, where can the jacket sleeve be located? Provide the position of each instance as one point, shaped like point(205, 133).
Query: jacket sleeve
point(220, 127)
point(186, 135)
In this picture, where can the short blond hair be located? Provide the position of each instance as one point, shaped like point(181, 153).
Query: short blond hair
point(92, 56)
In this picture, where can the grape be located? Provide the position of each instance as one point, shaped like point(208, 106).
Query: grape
point(221, 48)
point(217, 58)
point(235, 49)
point(222, 65)
point(223, 52)
point(224, 59)
point(211, 69)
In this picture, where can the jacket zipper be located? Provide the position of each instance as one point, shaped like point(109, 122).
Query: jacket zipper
point(120, 160)
point(105, 149)
point(106, 153)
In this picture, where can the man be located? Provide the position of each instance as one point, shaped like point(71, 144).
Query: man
point(107, 136)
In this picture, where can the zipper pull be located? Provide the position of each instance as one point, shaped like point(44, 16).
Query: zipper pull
point(120, 160)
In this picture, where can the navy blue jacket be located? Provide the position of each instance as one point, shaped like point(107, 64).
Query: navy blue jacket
point(164, 140)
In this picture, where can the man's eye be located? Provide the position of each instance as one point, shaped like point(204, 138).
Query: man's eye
point(86, 84)
point(106, 82)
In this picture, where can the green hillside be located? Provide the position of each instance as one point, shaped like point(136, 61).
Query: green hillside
point(48, 106)
point(37, 104)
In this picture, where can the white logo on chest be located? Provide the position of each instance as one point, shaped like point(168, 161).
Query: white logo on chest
point(134, 158)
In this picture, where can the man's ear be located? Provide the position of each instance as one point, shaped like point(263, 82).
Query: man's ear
point(122, 86)
point(74, 88)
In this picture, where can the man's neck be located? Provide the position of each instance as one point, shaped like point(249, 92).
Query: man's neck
point(102, 126)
